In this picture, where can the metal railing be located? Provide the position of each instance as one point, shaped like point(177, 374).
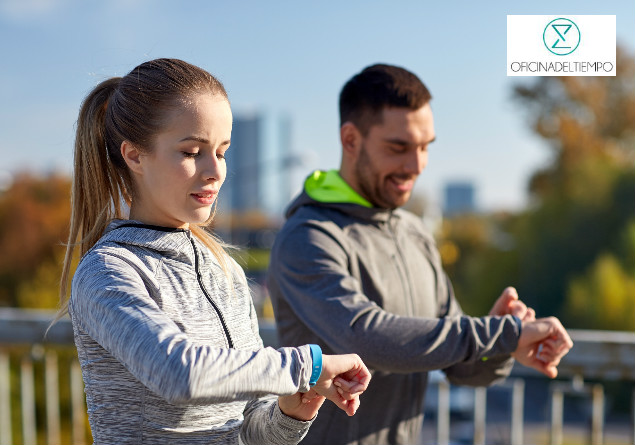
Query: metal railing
point(33, 371)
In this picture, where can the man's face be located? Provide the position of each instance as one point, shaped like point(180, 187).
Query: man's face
point(392, 155)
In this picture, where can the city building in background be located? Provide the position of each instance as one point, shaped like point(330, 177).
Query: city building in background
point(257, 188)
point(260, 166)
point(257, 165)
point(459, 197)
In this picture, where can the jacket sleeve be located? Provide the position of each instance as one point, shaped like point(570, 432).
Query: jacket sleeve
point(111, 304)
point(264, 422)
point(480, 372)
point(309, 270)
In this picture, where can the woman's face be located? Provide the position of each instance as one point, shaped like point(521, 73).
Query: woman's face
point(179, 180)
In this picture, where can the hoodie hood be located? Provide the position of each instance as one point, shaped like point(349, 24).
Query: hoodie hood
point(167, 241)
point(328, 186)
point(328, 189)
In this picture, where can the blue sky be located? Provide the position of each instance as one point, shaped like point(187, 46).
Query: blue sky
point(286, 57)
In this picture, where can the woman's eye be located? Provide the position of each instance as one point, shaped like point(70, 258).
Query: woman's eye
point(188, 154)
point(220, 155)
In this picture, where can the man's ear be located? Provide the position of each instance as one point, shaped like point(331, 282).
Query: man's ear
point(351, 139)
point(132, 156)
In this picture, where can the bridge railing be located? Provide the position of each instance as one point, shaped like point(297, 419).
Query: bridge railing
point(42, 398)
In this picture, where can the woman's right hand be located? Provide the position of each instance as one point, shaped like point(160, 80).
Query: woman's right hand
point(344, 377)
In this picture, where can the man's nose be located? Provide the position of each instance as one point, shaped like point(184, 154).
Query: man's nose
point(417, 162)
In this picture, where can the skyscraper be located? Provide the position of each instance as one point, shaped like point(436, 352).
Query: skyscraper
point(257, 177)
point(459, 197)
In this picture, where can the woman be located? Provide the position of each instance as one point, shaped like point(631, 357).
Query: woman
point(164, 324)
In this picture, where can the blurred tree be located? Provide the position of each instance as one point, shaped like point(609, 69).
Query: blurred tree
point(41, 289)
point(477, 253)
point(607, 288)
point(585, 198)
point(34, 213)
point(572, 252)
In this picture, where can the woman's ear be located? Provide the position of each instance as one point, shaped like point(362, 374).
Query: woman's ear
point(131, 156)
point(351, 139)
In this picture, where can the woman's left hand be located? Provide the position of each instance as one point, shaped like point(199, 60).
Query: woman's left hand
point(301, 406)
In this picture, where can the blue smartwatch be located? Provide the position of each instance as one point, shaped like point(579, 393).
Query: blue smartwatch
point(316, 369)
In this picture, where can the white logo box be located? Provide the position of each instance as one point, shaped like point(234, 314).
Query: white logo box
point(531, 40)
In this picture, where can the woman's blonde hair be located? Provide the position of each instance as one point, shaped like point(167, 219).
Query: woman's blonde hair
point(132, 108)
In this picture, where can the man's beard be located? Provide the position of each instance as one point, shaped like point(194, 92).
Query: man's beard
point(368, 180)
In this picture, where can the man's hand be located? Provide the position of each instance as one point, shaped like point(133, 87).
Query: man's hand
point(509, 304)
point(542, 344)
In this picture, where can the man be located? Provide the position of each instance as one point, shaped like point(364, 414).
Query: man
point(354, 273)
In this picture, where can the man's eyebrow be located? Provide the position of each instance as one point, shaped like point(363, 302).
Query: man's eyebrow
point(396, 141)
point(402, 142)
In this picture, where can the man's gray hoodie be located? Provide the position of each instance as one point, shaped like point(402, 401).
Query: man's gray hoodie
point(353, 278)
point(170, 350)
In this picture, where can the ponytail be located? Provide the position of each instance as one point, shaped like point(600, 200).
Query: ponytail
point(98, 189)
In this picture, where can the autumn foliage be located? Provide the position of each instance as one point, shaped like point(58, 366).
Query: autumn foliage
point(34, 213)
point(572, 252)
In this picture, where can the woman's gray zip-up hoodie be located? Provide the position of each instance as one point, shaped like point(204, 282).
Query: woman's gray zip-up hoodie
point(170, 351)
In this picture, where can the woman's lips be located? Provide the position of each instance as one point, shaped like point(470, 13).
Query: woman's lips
point(205, 198)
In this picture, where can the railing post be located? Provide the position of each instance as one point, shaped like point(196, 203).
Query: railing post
point(518, 401)
point(633, 414)
point(51, 373)
point(577, 388)
point(557, 401)
point(78, 406)
point(5, 400)
point(597, 420)
point(480, 412)
point(27, 400)
point(443, 414)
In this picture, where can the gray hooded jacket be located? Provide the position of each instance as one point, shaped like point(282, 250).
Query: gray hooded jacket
point(359, 279)
point(169, 352)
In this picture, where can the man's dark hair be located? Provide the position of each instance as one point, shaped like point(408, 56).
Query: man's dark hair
point(376, 87)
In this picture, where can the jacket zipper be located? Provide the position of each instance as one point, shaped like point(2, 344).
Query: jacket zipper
point(402, 266)
point(199, 277)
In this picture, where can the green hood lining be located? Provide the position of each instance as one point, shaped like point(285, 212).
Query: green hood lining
point(328, 186)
